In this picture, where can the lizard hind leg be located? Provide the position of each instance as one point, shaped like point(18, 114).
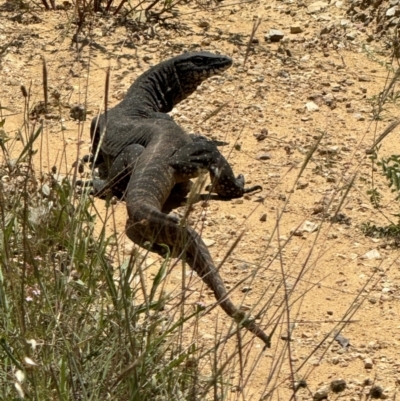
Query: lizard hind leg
point(119, 173)
point(121, 170)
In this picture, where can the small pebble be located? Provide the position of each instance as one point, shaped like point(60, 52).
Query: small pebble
point(264, 156)
point(368, 364)
point(321, 393)
point(242, 266)
point(262, 135)
point(203, 24)
point(391, 12)
point(274, 35)
point(376, 391)
point(316, 6)
point(351, 35)
point(300, 384)
point(78, 112)
point(309, 227)
point(302, 185)
point(363, 78)
point(338, 385)
point(208, 242)
point(295, 29)
point(311, 106)
point(372, 254)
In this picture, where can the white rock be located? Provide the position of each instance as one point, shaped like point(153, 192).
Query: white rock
point(309, 227)
point(311, 106)
point(391, 11)
point(317, 6)
point(321, 393)
point(372, 254)
point(45, 190)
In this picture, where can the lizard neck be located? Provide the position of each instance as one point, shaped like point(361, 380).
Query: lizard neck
point(157, 90)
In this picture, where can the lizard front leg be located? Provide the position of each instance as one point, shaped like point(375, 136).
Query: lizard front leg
point(199, 155)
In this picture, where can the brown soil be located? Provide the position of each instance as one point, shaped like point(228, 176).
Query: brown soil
point(326, 270)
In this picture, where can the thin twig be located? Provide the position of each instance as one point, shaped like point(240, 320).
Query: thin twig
point(107, 89)
point(45, 86)
point(119, 7)
point(152, 5)
point(109, 4)
point(385, 94)
point(46, 6)
point(384, 134)
point(253, 32)
point(215, 112)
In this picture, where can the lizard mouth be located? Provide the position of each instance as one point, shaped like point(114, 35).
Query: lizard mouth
point(218, 65)
point(225, 64)
point(221, 69)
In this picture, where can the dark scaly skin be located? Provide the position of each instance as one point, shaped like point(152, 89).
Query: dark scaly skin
point(192, 158)
point(169, 157)
point(151, 182)
point(151, 96)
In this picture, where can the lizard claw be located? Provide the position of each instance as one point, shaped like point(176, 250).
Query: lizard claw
point(240, 183)
point(240, 180)
point(252, 189)
point(231, 187)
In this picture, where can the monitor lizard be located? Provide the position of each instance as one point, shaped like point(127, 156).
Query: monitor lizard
point(138, 140)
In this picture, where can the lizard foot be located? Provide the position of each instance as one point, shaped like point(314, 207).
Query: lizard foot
point(252, 189)
point(99, 187)
point(226, 185)
point(240, 183)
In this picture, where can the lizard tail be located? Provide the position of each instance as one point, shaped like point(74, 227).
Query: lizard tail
point(149, 224)
point(201, 262)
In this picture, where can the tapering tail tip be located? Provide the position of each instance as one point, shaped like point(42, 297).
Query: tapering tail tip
point(253, 327)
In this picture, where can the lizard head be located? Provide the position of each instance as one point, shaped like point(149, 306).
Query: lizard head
point(194, 68)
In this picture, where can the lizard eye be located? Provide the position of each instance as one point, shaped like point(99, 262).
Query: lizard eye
point(198, 60)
